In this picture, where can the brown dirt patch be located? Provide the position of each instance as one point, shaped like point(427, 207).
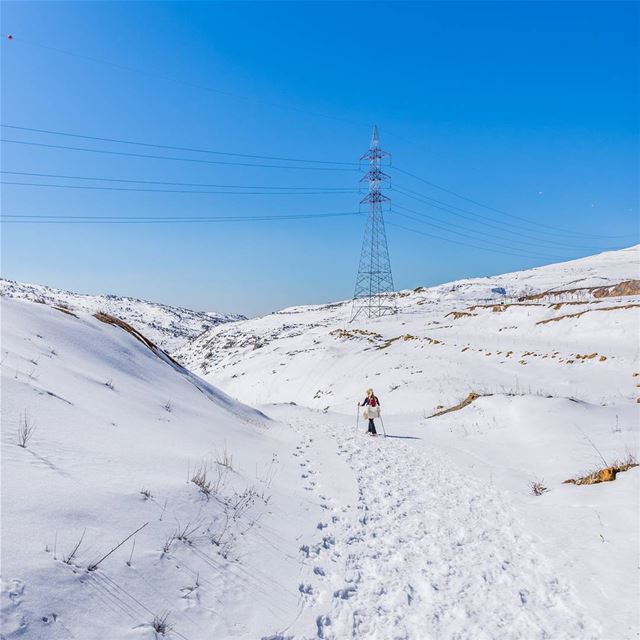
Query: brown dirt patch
point(461, 405)
point(581, 313)
point(117, 322)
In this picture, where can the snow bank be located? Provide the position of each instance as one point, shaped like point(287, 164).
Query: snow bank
point(119, 433)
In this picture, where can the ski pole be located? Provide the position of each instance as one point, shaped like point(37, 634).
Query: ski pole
point(382, 423)
point(358, 417)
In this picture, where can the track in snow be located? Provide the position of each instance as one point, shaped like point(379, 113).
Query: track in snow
point(427, 553)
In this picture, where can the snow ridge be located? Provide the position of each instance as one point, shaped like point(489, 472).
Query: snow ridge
point(169, 327)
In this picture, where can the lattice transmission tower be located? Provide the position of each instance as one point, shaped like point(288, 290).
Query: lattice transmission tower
point(373, 296)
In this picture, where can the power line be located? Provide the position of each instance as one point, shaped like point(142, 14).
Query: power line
point(466, 235)
point(118, 219)
point(466, 244)
point(500, 211)
point(181, 81)
point(156, 157)
point(519, 237)
point(173, 184)
point(182, 191)
point(175, 148)
point(504, 227)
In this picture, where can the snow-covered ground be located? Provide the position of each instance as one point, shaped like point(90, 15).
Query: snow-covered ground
point(169, 327)
point(317, 530)
point(558, 377)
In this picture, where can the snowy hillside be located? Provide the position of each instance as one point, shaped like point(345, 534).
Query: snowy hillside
point(124, 439)
point(554, 383)
point(486, 335)
point(169, 327)
point(148, 504)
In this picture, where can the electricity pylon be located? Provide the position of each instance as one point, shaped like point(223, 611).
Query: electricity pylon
point(373, 296)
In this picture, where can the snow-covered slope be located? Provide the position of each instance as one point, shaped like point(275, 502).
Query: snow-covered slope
point(305, 528)
point(480, 335)
point(169, 327)
point(557, 381)
point(119, 432)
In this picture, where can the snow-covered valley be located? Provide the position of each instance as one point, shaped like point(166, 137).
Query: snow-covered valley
point(287, 521)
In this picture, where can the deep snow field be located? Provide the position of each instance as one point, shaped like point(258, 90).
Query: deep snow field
point(304, 527)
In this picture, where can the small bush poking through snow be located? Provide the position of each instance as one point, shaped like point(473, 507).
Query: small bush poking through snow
point(201, 479)
point(211, 486)
point(70, 557)
point(145, 493)
point(161, 623)
point(537, 488)
point(225, 459)
point(109, 384)
point(26, 427)
point(607, 474)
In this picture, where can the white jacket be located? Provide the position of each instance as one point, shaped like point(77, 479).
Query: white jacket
point(371, 412)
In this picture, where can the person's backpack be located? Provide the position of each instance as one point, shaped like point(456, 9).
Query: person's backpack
point(373, 401)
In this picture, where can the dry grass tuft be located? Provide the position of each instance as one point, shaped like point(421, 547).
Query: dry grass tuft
point(456, 315)
point(161, 624)
point(65, 310)
point(389, 341)
point(354, 334)
point(608, 474)
point(461, 405)
point(117, 322)
point(581, 313)
point(26, 427)
point(538, 488)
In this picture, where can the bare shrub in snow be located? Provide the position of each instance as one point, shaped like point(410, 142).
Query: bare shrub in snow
point(219, 534)
point(240, 503)
point(185, 533)
point(270, 473)
point(225, 459)
point(161, 624)
point(626, 463)
point(70, 557)
point(145, 493)
point(167, 406)
point(109, 384)
point(133, 548)
point(210, 484)
point(538, 488)
point(168, 542)
point(608, 473)
point(94, 565)
point(201, 479)
point(26, 427)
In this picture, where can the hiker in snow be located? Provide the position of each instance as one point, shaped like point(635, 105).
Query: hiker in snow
point(372, 411)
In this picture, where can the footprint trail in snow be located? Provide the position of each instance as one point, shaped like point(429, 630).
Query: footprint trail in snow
point(426, 553)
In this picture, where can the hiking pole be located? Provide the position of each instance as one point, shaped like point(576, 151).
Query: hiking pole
point(382, 423)
point(357, 417)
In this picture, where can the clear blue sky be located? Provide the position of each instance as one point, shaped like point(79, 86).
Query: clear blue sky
point(531, 108)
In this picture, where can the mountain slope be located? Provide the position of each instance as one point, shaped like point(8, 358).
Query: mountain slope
point(470, 335)
point(124, 439)
point(509, 383)
point(302, 527)
point(169, 327)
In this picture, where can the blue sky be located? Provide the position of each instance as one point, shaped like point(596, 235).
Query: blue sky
point(530, 108)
